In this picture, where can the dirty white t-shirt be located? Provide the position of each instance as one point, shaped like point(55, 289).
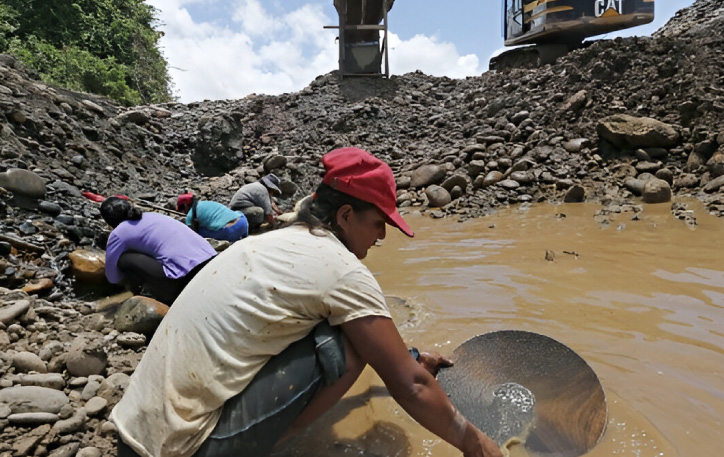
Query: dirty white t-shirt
point(247, 305)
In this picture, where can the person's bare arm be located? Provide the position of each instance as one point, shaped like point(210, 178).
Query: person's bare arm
point(379, 344)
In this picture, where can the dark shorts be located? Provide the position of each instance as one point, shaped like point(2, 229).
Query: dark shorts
point(254, 420)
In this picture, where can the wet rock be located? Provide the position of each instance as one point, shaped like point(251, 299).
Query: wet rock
point(476, 167)
point(51, 208)
point(453, 181)
point(23, 182)
point(522, 177)
point(509, 184)
point(427, 175)
point(576, 194)
point(488, 180)
point(25, 362)
point(86, 358)
point(626, 131)
point(437, 196)
point(636, 186)
point(140, 315)
point(38, 285)
point(665, 174)
point(29, 399)
point(88, 265)
point(656, 191)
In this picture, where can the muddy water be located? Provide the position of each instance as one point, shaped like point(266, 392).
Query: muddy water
point(642, 301)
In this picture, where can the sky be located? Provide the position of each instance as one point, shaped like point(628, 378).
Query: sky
point(228, 49)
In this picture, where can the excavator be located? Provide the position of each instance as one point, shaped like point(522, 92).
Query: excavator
point(552, 28)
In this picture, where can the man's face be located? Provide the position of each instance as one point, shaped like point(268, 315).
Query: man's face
point(361, 229)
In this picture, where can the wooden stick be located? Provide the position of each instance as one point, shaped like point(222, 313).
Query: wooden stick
point(160, 208)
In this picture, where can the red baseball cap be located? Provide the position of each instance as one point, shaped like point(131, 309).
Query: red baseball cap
point(358, 173)
point(184, 200)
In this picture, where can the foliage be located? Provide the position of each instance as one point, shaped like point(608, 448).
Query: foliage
point(108, 47)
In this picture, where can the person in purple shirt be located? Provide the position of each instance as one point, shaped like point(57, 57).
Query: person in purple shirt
point(150, 251)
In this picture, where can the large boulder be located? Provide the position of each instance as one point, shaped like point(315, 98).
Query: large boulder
point(427, 175)
point(23, 182)
point(656, 191)
point(88, 265)
point(31, 399)
point(85, 358)
point(629, 132)
point(219, 145)
point(140, 315)
point(437, 196)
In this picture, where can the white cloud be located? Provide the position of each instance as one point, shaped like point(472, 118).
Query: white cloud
point(258, 51)
point(255, 20)
point(430, 56)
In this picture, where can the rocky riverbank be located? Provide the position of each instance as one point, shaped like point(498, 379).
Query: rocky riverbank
point(623, 122)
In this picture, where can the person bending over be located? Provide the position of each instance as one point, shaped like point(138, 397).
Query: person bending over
point(212, 219)
point(150, 251)
point(289, 320)
point(256, 200)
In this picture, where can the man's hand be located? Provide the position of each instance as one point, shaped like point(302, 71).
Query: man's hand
point(432, 361)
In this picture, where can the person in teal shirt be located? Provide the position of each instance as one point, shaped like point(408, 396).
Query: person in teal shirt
point(212, 219)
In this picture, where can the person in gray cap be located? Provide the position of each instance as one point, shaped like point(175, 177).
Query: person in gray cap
point(255, 200)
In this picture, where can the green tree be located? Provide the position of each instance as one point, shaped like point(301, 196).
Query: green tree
point(109, 47)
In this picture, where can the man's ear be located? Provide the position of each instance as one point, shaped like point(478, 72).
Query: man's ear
point(343, 214)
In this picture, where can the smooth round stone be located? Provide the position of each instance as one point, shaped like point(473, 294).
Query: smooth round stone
point(25, 362)
point(33, 418)
point(96, 405)
point(49, 380)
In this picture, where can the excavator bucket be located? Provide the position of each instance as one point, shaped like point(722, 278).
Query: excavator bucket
point(361, 48)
